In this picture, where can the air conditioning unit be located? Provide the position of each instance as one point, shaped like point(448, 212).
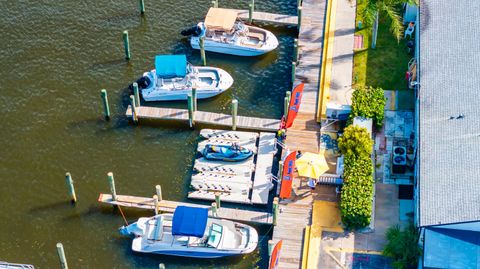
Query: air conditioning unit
point(399, 159)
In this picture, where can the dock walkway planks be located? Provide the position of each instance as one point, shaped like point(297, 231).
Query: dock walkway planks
point(304, 135)
point(169, 207)
point(268, 17)
point(210, 118)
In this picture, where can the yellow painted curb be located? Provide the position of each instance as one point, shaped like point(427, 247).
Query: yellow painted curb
point(306, 244)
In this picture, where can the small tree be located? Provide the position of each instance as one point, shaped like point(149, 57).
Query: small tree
point(402, 246)
point(355, 141)
point(369, 102)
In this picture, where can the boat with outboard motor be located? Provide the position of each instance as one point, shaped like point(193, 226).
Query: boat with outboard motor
point(189, 232)
point(224, 34)
point(226, 153)
point(173, 79)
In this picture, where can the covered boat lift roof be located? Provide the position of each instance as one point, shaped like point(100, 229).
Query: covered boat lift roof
point(171, 66)
point(189, 221)
point(220, 19)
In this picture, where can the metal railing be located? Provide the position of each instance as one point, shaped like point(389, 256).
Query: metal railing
point(7, 265)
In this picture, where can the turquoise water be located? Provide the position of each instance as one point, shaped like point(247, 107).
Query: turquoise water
point(56, 56)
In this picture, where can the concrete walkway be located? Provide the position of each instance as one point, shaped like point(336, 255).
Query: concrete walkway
point(342, 66)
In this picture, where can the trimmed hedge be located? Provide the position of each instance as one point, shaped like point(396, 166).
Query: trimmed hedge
point(368, 102)
point(357, 190)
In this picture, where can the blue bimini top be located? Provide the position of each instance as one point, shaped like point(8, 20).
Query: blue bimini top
point(171, 66)
point(189, 221)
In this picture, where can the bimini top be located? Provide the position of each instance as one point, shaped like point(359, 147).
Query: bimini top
point(171, 66)
point(220, 19)
point(189, 221)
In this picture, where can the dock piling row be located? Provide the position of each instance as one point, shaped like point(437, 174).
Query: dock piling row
point(111, 182)
point(214, 209)
point(295, 50)
point(136, 94)
point(215, 3)
point(194, 96)
point(134, 109)
point(275, 211)
point(142, 7)
point(217, 200)
point(271, 245)
point(61, 256)
point(202, 51)
point(155, 204)
point(299, 16)
point(294, 67)
point(106, 107)
point(234, 113)
point(158, 190)
point(191, 115)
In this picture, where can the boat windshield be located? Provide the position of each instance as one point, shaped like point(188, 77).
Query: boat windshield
point(215, 235)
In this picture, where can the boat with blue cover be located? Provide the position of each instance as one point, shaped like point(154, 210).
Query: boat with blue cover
point(226, 153)
point(189, 232)
point(173, 79)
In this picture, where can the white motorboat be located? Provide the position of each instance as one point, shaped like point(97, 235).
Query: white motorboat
point(173, 79)
point(189, 232)
point(224, 34)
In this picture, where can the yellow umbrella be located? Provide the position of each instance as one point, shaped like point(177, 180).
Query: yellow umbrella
point(311, 165)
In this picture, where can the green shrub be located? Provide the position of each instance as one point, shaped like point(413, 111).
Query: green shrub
point(357, 190)
point(402, 246)
point(368, 102)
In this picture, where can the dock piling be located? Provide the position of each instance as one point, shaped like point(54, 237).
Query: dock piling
point(142, 7)
point(71, 188)
point(215, 3)
point(295, 50)
point(61, 256)
point(106, 107)
point(214, 209)
point(275, 211)
point(271, 245)
point(155, 203)
point(191, 115)
point(217, 200)
point(161, 266)
point(288, 96)
point(111, 182)
point(126, 44)
point(136, 94)
point(299, 15)
point(134, 109)
point(202, 50)
point(279, 176)
point(294, 66)
point(158, 190)
point(250, 13)
point(234, 113)
point(194, 96)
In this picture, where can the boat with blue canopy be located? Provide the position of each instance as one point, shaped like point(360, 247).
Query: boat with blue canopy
point(173, 79)
point(190, 232)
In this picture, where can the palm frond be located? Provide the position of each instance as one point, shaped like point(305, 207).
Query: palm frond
point(396, 25)
point(369, 12)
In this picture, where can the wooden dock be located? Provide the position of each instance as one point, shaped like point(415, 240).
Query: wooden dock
point(206, 118)
point(166, 206)
point(304, 135)
point(268, 17)
point(233, 180)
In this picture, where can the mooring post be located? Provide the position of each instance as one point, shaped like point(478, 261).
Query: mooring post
point(194, 96)
point(111, 182)
point(161, 266)
point(71, 188)
point(126, 44)
point(61, 255)
point(299, 3)
point(136, 94)
point(215, 3)
point(214, 209)
point(202, 50)
point(299, 15)
point(142, 7)
point(106, 107)
point(271, 245)
point(275, 210)
point(158, 190)
point(191, 115)
point(234, 114)
point(279, 175)
point(155, 204)
point(294, 66)
point(250, 13)
point(134, 109)
point(287, 102)
point(295, 50)
point(217, 200)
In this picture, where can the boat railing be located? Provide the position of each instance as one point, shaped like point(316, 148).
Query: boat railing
point(7, 265)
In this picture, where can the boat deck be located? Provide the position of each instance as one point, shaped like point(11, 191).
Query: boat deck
point(169, 207)
point(207, 118)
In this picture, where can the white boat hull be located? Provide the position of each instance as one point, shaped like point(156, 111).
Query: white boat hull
point(220, 82)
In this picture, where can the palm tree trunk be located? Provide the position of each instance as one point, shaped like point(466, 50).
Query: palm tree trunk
point(375, 31)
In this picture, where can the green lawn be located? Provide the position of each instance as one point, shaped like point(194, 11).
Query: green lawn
point(384, 66)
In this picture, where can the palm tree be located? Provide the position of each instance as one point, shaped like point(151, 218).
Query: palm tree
point(389, 9)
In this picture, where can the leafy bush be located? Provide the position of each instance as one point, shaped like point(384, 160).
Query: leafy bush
point(402, 246)
point(368, 102)
point(357, 190)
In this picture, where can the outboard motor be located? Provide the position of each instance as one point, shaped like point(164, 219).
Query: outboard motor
point(142, 82)
point(195, 30)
